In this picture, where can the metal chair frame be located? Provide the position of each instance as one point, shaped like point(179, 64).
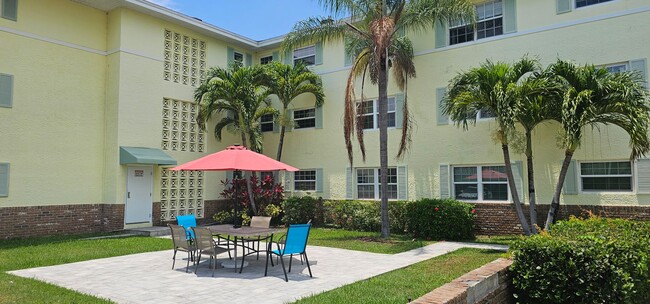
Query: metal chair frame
point(179, 238)
point(282, 250)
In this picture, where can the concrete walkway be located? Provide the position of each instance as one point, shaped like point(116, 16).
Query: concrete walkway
point(148, 278)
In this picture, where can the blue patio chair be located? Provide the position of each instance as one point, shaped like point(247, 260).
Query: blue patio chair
point(188, 222)
point(295, 242)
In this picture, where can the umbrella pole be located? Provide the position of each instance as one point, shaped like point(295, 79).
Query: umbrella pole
point(237, 220)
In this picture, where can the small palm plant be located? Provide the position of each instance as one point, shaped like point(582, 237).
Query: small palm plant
point(239, 95)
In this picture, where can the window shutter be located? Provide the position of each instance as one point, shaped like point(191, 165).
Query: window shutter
point(249, 59)
point(510, 17)
point(276, 126)
point(517, 175)
point(640, 66)
point(289, 120)
point(288, 57)
point(276, 56)
point(319, 117)
point(229, 176)
point(643, 176)
point(288, 181)
point(564, 6)
point(6, 90)
point(349, 184)
point(4, 179)
point(442, 34)
point(319, 53)
point(10, 9)
point(402, 183)
point(231, 56)
point(399, 110)
point(440, 95)
point(319, 180)
point(571, 180)
point(444, 181)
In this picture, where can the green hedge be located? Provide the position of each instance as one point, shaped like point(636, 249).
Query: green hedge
point(425, 218)
point(302, 209)
point(584, 261)
point(440, 219)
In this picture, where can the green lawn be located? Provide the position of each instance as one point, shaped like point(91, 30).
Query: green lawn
point(38, 252)
point(498, 239)
point(400, 285)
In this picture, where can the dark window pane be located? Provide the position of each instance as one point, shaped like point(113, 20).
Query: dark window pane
point(266, 60)
point(391, 119)
point(311, 60)
point(305, 186)
point(368, 122)
point(366, 191)
point(466, 192)
point(494, 174)
point(465, 174)
point(607, 183)
point(495, 192)
point(582, 3)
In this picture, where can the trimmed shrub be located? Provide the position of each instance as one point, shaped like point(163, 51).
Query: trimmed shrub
point(584, 261)
point(365, 215)
point(440, 219)
point(301, 210)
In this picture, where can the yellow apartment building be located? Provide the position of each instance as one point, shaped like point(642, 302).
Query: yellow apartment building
point(96, 104)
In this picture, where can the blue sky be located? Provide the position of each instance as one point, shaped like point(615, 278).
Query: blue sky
point(255, 19)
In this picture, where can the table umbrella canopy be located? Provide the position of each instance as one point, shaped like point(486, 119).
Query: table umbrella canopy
point(235, 158)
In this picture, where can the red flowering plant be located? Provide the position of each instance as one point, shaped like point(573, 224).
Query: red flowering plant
point(267, 194)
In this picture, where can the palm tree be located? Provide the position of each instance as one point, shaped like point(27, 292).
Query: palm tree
point(372, 36)
point(537, 102)
point(592, 97)
point(287, 83)
point(493, 87)
point(237, 92)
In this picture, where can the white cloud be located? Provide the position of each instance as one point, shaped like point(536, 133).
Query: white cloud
point(165, 3)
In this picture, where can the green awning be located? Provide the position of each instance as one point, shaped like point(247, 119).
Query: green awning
point(149, 156)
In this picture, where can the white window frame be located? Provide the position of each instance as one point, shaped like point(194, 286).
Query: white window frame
point(266, 57)
point(262, 123)
point(295, 120)
point(376, 183)
point(575, 4)
point(458, 24)
point(295, 58)
point(296, 180)
point(479, 183)
point(375, 112)
point(631, 176)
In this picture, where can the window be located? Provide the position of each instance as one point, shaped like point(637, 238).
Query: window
point(368, 183)
point(489, 24)
point(486, 114)
point(370, 112)
point(266, 60)
point(6, 90)
point(583, 3)
point(4, 179)
point(306, 55)
point(304, 118)
point(266, 123)
point(239, 57)
point(266, 174)
point(305, 180)
point(616, 68)
point(606, 176)
point(490, 185)
point(9, 9)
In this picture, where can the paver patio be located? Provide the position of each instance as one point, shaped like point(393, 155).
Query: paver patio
point(148, 278)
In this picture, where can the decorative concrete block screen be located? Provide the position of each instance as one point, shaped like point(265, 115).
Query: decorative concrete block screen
point(184, 60)
point(180, 132)
point(181, 192)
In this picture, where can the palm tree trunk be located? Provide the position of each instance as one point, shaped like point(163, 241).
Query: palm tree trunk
point(555, 204)
point(249, 187)
point(531, 183)
point(383, 147)
point(281, 142)
point(513, 190)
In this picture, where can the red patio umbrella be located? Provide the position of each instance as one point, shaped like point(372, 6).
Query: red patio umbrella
point(235, 158)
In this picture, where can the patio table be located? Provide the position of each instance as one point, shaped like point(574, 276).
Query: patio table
point(242, 234)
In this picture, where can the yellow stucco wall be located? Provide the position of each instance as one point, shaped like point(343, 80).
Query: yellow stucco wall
point(101, 75)
point(53, 135)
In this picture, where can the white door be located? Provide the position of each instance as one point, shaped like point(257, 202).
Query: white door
point(139, 184)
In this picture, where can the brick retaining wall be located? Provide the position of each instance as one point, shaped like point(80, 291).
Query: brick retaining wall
point(489, 284)
point(18, 222)
point(500, 219)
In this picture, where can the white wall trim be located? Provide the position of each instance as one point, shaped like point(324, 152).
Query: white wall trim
point(134, 53)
